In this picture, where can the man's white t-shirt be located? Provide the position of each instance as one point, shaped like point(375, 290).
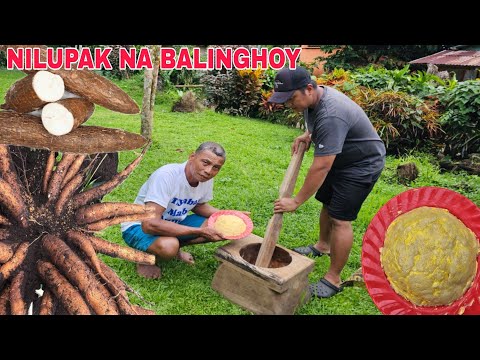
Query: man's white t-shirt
point(169, 188)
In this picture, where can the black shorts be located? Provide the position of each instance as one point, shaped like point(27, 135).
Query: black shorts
point(343, 196)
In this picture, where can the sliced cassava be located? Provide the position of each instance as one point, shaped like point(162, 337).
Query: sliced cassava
point(91, 86)
point(27, 130)
point(98, 90)
point(61, 117)
point(66, 95)
point(69, 95)
point(34, 91)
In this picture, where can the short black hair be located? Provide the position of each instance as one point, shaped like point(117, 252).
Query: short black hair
point(215, 148)
point(312, 82)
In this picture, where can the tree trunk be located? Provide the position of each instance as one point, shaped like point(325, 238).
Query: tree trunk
point(149, 92)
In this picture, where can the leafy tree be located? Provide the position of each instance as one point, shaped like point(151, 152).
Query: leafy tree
point(349, 57)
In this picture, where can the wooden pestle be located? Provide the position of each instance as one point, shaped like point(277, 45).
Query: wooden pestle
point(275, 224)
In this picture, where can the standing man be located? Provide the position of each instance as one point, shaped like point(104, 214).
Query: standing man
point(349, 157)
point(175, 190)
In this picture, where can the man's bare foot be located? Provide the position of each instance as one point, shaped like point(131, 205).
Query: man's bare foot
point(185, 257)
point(149, 271)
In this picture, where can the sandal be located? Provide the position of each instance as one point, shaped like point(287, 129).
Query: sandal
point(309, 250)
point(324, 289)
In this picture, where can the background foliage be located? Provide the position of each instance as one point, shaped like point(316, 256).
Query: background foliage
point(390, 56)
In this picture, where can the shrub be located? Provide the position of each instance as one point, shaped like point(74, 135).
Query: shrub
point(337, 78)
point(419, 83)
point(461, 119)
point(403, 121)
point(236, 92)
point(278, 113)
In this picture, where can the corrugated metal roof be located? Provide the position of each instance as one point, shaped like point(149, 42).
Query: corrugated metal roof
point(451, 57)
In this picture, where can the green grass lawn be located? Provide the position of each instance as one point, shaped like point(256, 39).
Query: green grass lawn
point(258, 154)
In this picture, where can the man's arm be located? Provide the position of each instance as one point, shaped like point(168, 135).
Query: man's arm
point(206, 210)
point(157, 226)
point(306, 138)
point(316, 176)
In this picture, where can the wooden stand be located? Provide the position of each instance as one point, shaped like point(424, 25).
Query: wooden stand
point(276, 290)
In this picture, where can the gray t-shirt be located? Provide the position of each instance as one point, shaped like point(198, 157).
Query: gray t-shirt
point(340, 127)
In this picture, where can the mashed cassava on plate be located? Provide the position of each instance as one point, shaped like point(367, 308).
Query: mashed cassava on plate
point(230, 225)
point(429, 256)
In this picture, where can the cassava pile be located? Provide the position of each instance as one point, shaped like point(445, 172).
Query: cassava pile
point(89, 85)
point(49, 210)
point(48, 218)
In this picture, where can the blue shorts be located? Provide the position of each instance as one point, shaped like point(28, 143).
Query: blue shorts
point(137, 239)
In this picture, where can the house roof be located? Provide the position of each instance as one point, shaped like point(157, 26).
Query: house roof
point(468, 58)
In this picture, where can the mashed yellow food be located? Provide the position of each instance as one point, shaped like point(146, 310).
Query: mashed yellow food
point(230, 225)
point(429, 256)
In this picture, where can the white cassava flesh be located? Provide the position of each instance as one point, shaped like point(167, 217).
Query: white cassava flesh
point(48, 87)
point(63, 116)
point(57, 119)
point(66, 95)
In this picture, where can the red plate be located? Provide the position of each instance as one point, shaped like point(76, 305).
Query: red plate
point(384, 297)
point(248, 222)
